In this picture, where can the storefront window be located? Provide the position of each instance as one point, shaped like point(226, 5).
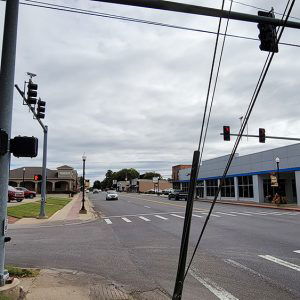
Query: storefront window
point(200, 189)
point(185, 186)
point(227, 189)
point(245, 186)
point(211, 187)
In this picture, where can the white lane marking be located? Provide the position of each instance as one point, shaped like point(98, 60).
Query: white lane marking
point(297, 251)
point(281, 262)
point(218, 291)
point(145, 219)
point(126, 220)
point(147, 206)
point(160, 217)
point(197, 216)
point(108, 221)
point(236, 264)
point(181, 217)
point(204, 213)
point(227, 214)
point(240, 213)
point(294, 214)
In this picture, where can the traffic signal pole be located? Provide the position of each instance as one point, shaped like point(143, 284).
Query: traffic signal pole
point(44, 169)
point(7, 76)
point(44, 175)
point(267, 137)
point(204, 11)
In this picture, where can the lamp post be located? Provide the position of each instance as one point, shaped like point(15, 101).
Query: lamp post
point(277, 160)
point(83, 210)
point(23, 183)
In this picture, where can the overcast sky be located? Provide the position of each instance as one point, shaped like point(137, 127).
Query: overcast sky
point(132, 95)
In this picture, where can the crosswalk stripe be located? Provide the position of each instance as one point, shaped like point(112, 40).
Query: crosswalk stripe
point(297, 251)
point(126, 220)
point(227, 214)
point(281, 262)
point(218, 291)
point(240, 213)
point(145, 219)
point(160, 217)
point(108, 221)
point(204, 213)
point(181, 217)
point(197, 216)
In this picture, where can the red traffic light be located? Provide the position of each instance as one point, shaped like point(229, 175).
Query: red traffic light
point(262, 135)
point(37, 177)
point(226, 133)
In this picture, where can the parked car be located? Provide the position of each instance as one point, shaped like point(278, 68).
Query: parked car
point(167, 191)
point(14, 194)
point(95, 191)
point(178, 194)
point(27, 193)
point(111, 195)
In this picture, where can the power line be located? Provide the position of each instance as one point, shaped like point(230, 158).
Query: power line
point(256, 7)
point(46, 5)
point(247, 116)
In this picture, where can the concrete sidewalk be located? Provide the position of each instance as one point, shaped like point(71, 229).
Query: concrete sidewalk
point(55, 284)
point(70, 212)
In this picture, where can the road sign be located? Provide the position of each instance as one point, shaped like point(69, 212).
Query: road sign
point(274, 181)
point(155, 179)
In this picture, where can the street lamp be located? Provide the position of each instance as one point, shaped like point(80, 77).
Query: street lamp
point(277, 160)
point(83, 210)
point(23, 183)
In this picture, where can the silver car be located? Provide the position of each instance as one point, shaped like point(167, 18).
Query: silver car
point(111, 195)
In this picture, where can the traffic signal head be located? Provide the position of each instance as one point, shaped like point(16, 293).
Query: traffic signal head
point(31, 93)
point(226, 133)
point(262, 135)
point(24, 146)
point(267, 34)
point(40, 111)
point(37, 177)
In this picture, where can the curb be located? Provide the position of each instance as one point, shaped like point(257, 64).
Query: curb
point(251, 204)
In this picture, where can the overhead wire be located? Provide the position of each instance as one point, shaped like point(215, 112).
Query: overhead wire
point(216, 82)
point(63, 8)
point(243, 126)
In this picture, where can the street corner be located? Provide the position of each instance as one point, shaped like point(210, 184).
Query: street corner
point(69, 284)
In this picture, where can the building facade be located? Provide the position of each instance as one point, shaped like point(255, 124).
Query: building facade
point(249, 177)
point(176, 169)
point(62, 180)
point(145, 185)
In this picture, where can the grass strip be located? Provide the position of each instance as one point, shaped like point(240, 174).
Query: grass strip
point(32, 210)
point(21, 272)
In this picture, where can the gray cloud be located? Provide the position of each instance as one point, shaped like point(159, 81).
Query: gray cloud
point(132, 95)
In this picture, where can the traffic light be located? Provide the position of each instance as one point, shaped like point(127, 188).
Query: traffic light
point(37, 177)
point(226, 133)
point(262, 135)
point(40, 111)
point(31, 93)
point(267, 34)
point(24, 146)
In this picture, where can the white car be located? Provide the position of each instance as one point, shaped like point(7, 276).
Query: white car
point(112, 195)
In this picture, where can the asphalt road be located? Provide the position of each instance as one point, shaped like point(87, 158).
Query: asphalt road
point(245, 253)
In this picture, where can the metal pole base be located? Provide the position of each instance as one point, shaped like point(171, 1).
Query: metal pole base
point(42, 217)
point(83, 211)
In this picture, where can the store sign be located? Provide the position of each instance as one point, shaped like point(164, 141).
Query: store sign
point(274, 181)
point(155, 179)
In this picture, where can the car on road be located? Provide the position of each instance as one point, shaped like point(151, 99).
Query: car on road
point(111, 195)
point(14, 194)
point(27, 193)
point(178, 194)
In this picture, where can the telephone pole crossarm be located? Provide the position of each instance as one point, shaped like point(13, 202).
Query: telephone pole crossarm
point(202, 10)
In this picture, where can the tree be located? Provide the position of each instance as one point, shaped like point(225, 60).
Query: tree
point(126, 174)
point(97, 184)
point(150, 175)
point(107, 182)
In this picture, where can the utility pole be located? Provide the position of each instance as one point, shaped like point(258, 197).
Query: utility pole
point(7, 77)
